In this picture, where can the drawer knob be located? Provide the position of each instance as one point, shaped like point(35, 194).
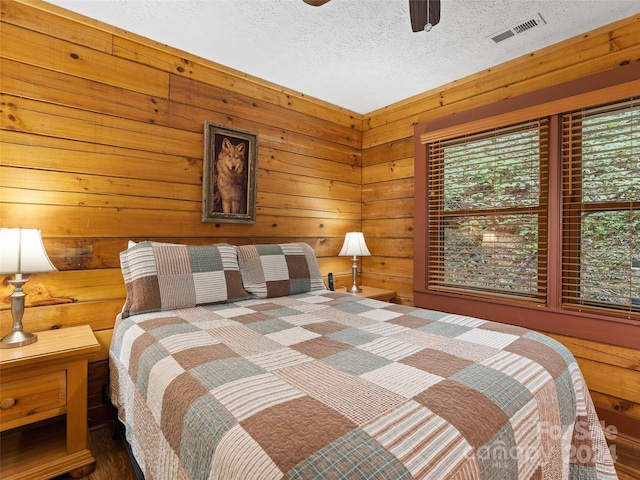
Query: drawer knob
point(7, 403)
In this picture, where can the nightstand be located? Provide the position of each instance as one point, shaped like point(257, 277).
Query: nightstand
point(43, 406)
point(376, 293)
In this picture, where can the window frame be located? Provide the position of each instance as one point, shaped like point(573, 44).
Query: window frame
point(612, 85)
point(437, 198)
point(574, 205)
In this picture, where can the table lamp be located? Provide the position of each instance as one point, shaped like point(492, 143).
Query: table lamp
point(21, 252)
point(354, 245)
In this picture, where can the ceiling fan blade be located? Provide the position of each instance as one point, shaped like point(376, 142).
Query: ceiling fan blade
point(424, 14)
point(315, 3)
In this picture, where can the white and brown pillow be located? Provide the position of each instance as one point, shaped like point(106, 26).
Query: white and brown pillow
point(280, 269)
point(163, 276)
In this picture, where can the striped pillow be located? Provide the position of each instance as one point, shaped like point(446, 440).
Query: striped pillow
point(279, 270)
point(165, 276)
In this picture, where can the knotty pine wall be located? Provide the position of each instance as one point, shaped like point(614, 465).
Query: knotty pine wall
point(102, 142)
point(612, 372)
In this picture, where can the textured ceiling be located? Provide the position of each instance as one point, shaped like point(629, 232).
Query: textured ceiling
point(357, 54)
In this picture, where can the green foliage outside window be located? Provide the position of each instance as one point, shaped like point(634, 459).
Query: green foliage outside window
point(610, 239)
point(487, 245)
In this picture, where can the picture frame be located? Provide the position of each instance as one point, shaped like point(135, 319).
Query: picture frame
point(229, 174)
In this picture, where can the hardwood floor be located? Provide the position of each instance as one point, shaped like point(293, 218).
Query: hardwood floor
point(112, 460)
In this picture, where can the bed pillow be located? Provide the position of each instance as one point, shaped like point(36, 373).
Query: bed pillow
point(279, 270)
point(164, 276)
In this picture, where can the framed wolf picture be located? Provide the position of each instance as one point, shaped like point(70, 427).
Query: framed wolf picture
point(229, 177)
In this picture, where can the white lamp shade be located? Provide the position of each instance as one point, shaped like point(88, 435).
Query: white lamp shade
point(354, 245)
point(22, 251)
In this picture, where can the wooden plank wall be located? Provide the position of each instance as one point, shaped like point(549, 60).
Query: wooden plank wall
point(102, 142)
point(612, 373)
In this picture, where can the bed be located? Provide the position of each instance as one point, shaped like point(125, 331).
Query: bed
point(237, 363)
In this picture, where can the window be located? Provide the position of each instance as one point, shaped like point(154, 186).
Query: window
point(488, 203)
point(527, 211)
point(601, 200)
point(488, 207)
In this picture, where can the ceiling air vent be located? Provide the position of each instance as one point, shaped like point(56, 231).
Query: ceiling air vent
point(519, 28)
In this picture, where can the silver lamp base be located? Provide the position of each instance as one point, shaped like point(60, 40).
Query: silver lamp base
point(354, 288)
point(18, 339)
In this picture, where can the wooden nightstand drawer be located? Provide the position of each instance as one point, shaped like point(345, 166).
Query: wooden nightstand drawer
point(42, 395)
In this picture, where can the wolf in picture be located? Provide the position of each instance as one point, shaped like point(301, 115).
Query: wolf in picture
point(231, 178)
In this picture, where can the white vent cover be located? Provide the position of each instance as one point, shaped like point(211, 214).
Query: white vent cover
point(519, 28)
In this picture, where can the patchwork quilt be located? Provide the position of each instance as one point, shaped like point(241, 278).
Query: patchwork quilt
point(324, 385)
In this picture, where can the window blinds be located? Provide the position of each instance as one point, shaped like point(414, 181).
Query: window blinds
point(601, 208)
point(487, 212)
